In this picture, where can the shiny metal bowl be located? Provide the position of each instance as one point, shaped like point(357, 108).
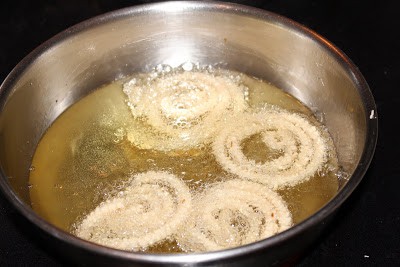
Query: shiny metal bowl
point(75, 62)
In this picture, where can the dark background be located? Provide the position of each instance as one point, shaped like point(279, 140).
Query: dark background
point(366, 231)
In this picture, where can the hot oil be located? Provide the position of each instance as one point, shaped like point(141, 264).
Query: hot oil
point(85, 158)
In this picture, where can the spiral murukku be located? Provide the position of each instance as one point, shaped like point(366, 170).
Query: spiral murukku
point(300, 145)
point(147, 212)
point(184, 108)
point(231, 214)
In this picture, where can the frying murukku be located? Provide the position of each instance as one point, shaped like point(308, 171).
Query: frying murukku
point(148, 211)
point(233, 213)
point(300, 144)
point(181, 110)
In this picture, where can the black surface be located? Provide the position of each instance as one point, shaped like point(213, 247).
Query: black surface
point(366, 231)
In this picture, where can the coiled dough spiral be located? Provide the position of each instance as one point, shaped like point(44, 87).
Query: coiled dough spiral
point(231, 214)
point(301, 146)
point(148, 211)
point(184, 109)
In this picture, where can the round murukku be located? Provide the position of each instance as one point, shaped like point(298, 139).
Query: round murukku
point(182, 109)
point(147, 212)
point(300, 145)
point(233, 213)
